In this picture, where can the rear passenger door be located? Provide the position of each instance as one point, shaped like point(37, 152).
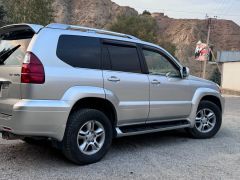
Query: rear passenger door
point(123, 77)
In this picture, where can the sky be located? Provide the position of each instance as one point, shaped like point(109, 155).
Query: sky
point(223, 9)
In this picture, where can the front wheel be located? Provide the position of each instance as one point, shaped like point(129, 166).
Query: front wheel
point(88, 136)
point(207, 122)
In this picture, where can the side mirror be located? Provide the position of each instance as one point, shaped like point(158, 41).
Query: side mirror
point(185, 72)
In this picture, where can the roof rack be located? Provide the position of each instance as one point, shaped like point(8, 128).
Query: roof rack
point(89, 30)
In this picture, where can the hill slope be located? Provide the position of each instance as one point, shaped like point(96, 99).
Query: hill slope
point(92, 13)
point(185, 33)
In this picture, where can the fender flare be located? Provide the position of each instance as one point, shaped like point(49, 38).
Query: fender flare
point(197, 97)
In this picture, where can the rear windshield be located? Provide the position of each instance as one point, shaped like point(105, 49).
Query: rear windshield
point(13, 48)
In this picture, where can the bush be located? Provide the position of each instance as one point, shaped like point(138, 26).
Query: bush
point(29, 11)
point(216, 76)
point(171, 48)
point(2, 16)
point(141, 26)
point(145, 12)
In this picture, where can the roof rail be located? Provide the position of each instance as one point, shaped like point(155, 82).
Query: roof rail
point(89, 30)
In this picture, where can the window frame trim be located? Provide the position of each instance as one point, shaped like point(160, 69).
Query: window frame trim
point(120, 43)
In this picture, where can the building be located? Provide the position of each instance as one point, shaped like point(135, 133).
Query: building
point(230, 61)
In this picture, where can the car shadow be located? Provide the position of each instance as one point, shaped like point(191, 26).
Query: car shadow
point(45, 154)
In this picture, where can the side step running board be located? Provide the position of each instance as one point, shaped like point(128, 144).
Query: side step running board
point(151, 128)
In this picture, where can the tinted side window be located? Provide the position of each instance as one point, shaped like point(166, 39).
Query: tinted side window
point(124, 58)
point(159, 65)
point(80, 51)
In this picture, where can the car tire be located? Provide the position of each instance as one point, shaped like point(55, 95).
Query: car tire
point(207, 122)
point(88, 136)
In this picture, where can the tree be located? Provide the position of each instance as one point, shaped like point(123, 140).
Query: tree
point(216, 76)
point(2, 15)
point(29, 11)
point(143, 27)
point(145, 12)
point(170, 47)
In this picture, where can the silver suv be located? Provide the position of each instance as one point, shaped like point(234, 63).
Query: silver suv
point(81, 87)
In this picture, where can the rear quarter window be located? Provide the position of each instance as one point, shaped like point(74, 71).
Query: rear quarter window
point(79, 51)
point(16, 58)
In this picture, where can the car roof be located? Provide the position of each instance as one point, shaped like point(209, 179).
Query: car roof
point(86, 31)
point(93, 32)
point(82, 29)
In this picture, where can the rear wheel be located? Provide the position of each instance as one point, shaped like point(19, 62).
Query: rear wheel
point(88, 136)
point(207, 122)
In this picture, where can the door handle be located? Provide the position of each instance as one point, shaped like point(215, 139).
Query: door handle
point(113, 79)
point(155, 82)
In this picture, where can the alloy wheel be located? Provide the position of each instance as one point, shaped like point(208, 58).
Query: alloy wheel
point(91, 137)
point(205, 120)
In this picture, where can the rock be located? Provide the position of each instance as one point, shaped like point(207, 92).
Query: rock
point(89, 13)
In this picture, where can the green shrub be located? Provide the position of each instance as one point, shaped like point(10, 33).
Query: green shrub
point(145, 12)
point(216, 76)
point(141, 26)
point(29, 11)
point(170, 47)
point(2, 16)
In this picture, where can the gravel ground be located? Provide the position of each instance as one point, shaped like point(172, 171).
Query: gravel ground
point(166, 155)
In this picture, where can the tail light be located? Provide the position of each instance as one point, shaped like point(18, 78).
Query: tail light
point(32, 70)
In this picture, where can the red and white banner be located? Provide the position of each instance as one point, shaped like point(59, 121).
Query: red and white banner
point(202, 52)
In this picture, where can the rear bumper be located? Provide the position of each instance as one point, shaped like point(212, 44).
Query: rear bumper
point(46, 118)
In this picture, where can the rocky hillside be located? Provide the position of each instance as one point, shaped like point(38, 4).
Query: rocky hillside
point(92, 13)
point(184, 33)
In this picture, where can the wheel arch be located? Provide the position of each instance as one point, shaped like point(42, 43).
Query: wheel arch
point(90, 97)
point(213, 99)
point(205, 94)
point(97, 103)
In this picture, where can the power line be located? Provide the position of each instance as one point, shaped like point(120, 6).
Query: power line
point(221, 5)
point(195, 12)
point(229, 7)
point(220, 15)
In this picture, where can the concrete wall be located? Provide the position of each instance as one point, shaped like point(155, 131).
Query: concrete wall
point(231, 76)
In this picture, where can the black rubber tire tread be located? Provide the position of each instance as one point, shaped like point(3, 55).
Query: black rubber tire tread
point(75, 121)
point(198, 135)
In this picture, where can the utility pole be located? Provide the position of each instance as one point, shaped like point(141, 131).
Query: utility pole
point(209, 22)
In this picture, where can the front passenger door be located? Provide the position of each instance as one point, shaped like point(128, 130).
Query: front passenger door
point(170, 95)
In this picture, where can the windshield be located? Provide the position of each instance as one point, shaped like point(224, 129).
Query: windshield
point(12, 52)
